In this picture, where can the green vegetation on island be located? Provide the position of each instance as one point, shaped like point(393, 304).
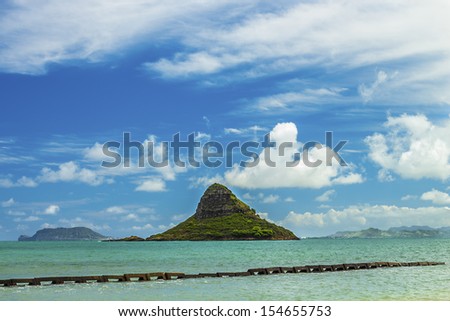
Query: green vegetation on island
point(220, 215)
point(64, 234)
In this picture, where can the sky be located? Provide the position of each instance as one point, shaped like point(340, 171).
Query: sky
point(77, 75)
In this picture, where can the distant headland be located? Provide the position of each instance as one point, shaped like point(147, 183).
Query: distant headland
point(221, 216)
point(64, 234)
point(394, 232)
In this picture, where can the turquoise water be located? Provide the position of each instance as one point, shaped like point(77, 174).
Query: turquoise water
point(38, 259)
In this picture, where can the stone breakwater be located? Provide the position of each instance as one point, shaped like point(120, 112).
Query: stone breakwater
point(153, 276)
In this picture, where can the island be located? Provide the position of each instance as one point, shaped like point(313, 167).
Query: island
point(394, 232)
point(64, 234)
point(221, 216)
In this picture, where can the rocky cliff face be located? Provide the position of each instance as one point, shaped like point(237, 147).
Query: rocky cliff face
point(219, 201)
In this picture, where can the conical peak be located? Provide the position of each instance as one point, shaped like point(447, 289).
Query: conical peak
point(218, 201)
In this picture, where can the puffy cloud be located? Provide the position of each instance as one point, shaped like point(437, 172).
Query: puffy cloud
point(365, 216)
point(326, 196)
point(269, 199)
point(141, 228)
point(412, 148)
point(52, 210)
point(70, 172)
point(152, 184)
point(94, 153)
point(21, 182)
point(436, 197)
point(265, 176)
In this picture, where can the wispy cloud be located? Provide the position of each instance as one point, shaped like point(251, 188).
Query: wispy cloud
point(35, 34)
point(326, 196)
point(338, 36)
point(151, 184)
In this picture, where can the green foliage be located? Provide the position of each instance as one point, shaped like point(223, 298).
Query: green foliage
point(224, 217)
point(233, 227)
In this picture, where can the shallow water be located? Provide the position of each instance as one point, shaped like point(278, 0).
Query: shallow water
point(36, 259)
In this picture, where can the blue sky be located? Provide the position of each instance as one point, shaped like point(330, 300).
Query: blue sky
point(76, 75)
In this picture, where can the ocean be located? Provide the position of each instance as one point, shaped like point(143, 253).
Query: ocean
point(40, 259)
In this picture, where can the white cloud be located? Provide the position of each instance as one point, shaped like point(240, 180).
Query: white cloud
point(412, 148)
point(16, 213)
point(207, 121)
point(178, 217)
point(71, 172)
point(269, 199)
point(326, 196)
point(94, 153)
point(116, 210)
point(131, 217)
point(385, 176)
point(248, 38)
point(196, 63)
point(8, 203)
point(6, 183)
point(286, 101)
point(52, 210)
point(249, 130)
point(335, 35)
point(233, 131)
point(264, 176)
point(163, 227)
point(408, 197)
point(21, 182)
point(265, 216)
point(367, 92)
point(35, 34)
point(152, 184)
point(48, 225)
point(365, 216)
point(30, 218)
point(78, 221)
point(205, 180)
point(141, 228)
point(289, 199)
point(248, 196)
point(436, 197)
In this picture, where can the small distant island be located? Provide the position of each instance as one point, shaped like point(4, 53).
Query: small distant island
point(394, 232)
point(64, 234)
point(221, 216)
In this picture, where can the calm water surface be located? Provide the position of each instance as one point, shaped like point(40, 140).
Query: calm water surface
point(33, 259)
